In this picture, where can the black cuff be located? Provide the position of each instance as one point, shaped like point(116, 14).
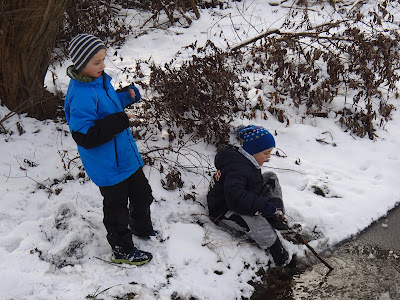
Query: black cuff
point(103, 130)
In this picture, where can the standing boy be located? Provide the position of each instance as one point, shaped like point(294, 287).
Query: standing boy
point(100, 127)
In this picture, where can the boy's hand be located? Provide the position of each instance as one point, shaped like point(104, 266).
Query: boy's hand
point(132, 93)
point(279, 212)
point(280, 215)
point(130, 116)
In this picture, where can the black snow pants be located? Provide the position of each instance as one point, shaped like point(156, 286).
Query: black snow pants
point(126, 208)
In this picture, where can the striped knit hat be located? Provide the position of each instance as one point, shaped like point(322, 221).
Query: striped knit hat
point(82, 48)
point(255, 139)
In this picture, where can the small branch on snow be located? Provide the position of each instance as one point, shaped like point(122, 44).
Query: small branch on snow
point(313, 32)
point(252, 40)
point(26, 175)
point(283, 169)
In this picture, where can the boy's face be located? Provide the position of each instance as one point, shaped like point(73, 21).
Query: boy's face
point(96, 65)
point(263, 156)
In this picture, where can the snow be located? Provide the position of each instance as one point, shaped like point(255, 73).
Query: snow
point(53, 245)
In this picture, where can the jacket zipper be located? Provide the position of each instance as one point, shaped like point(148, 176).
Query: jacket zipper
point(115, 147)
point(115, 140)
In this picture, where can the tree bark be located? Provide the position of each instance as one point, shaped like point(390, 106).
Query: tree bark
point(28, 30)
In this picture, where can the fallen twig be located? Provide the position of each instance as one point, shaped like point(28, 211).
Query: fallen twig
point(284, 169)
point(302, 240)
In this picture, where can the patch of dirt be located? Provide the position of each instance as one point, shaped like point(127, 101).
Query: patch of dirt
point(360, 272)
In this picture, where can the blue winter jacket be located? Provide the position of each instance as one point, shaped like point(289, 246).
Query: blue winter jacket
point(96, 118)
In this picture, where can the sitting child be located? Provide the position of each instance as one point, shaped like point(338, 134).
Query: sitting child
point(242, 198)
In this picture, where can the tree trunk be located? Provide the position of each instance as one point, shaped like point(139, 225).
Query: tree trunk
point(28, 30)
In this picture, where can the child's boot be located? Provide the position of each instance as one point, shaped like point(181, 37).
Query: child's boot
point(279, 253)
point(135, 257)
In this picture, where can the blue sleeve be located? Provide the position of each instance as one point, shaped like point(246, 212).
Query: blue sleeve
point(82, 112)
point(126, 98)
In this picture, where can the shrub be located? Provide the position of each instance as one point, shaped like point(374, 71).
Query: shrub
point(201, 96)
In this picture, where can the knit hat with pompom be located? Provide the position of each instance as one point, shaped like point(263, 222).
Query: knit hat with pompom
point(255, 139)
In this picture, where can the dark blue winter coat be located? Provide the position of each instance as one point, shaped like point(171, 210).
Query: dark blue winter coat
point(238, 185)
point(99, 125)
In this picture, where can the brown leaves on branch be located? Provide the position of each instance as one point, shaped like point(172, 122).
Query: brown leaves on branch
point(356, 58)
point(109, 21)
point(346, 68)
point(199, 97)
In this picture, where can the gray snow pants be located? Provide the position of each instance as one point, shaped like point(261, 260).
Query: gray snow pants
point(257, 227)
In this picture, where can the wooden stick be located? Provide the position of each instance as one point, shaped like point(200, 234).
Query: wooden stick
point(302, 240)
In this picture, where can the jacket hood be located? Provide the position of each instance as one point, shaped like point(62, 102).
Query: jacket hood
point(229, 154)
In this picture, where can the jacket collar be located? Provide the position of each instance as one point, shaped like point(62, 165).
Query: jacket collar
point(249, 157)
point(74, 74)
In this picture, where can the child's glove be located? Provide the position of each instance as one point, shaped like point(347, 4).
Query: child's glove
point(270, 209)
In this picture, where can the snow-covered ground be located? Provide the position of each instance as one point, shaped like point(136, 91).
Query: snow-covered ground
point(52, 239)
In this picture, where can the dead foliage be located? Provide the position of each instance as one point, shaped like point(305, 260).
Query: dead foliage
point(199, 96)
point(345, 69)
point(355, 58)
point(111, 21)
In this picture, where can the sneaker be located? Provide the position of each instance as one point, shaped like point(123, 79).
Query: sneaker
point(153, 234)
point(279, 253)
point(136, 257)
